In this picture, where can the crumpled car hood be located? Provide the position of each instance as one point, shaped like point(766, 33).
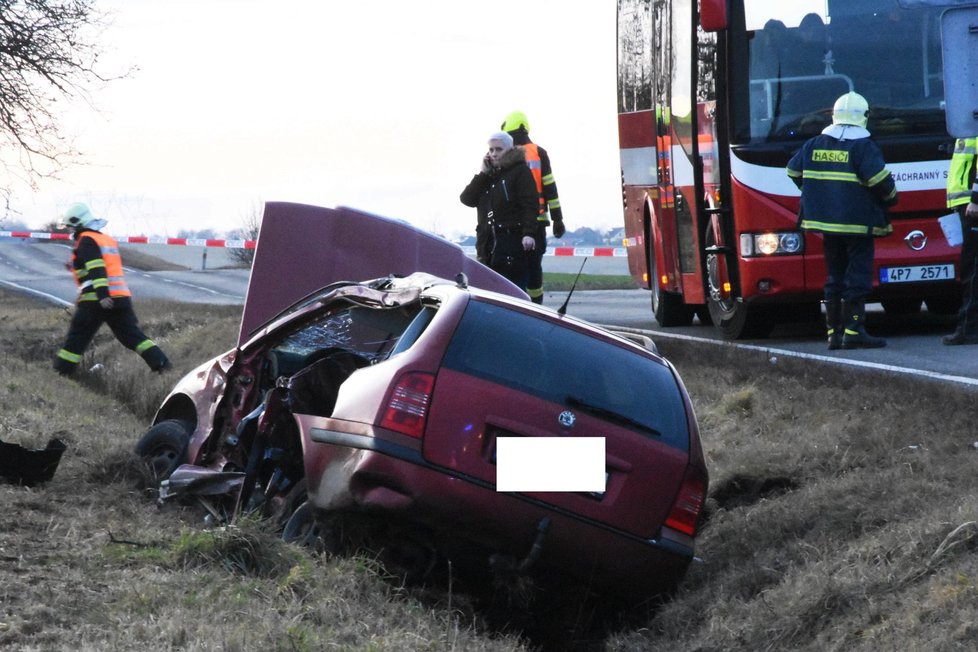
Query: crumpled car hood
point(303, 248)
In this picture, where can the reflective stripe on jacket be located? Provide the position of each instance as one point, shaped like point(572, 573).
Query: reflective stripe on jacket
point(97, 273)
point(845, 186)
point(961, 174)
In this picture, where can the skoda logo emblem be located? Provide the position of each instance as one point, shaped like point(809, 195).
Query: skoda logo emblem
point(566, 419)
point(916, 240)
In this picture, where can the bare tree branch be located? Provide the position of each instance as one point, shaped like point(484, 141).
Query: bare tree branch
point(49, 53)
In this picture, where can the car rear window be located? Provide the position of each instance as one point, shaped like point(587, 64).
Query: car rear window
point(546, 359)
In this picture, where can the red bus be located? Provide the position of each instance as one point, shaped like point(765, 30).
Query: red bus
point(715, 96)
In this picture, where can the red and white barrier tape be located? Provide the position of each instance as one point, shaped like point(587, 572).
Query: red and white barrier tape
point(617, 252)
point(607, 252)
point(141, 239)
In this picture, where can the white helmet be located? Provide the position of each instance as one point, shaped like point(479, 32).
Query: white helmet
point(851, 109)
point(79, 217)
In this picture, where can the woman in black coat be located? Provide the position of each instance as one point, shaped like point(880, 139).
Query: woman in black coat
point(506, 200)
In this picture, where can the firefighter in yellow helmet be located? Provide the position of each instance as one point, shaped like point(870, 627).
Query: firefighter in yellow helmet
point(960, 181)
point(517, 126)
point(103, 296)
point(845, 190)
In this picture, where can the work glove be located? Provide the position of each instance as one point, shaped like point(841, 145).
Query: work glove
point(972, 210)
point(529, 243)
point(559, 229)
point(106, 303)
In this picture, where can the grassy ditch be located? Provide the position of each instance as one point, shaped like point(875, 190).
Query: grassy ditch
point(842, 515)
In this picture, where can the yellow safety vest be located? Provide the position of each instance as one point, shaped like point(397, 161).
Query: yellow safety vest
point(959, 174)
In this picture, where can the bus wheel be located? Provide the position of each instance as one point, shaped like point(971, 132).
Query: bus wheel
point(732, 318)
point(667, 308)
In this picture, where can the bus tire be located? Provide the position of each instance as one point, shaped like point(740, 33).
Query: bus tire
point(731, 316)
point(668, 308)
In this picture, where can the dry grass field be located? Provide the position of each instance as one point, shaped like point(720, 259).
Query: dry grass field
point(843, 515)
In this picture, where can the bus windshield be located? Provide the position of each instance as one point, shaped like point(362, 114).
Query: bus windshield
point(801, 56)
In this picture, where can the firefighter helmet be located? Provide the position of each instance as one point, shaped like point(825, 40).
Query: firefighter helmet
point(78, 216)
point(515, 121)
point(850, 109)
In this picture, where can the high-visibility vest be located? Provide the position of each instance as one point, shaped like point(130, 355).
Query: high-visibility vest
point(110, 260)
point(960, 173)
point(536, 167)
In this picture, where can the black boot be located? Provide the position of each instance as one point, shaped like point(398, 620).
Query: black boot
point(833, 323)
point(855, 335)
point(960, 336)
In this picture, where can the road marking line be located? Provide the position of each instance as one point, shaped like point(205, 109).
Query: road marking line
point(875, 366)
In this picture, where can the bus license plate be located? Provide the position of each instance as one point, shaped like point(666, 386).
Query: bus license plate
point(917, 273)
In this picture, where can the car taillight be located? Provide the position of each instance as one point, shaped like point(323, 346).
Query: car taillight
point(686, 510)
point(407, 410)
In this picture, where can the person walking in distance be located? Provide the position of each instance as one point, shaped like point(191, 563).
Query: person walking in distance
point(845, 190)
point(517, 126)
point(506, 201)
point(962, 198)
point(103, 296)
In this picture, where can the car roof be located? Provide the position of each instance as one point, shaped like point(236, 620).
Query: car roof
point(303, 248)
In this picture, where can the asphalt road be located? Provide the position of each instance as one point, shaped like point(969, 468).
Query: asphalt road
point(39, 269)
point(913, 341)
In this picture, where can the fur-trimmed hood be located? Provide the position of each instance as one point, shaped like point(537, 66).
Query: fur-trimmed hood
point(512, 157)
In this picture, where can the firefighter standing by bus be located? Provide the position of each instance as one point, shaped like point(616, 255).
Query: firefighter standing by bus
point(517, 126)
point(103, 296)
point(845, 189)
point(960, 182)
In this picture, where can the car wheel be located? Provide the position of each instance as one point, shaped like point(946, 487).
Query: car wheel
point(164, 446)
point(302, 529)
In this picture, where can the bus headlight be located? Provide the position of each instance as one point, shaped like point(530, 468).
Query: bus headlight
point(775, 243)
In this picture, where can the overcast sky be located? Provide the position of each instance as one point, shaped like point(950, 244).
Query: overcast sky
point(380, 105)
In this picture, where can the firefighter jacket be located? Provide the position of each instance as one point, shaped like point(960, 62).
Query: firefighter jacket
point(961, 173)
point(539, 163)
point(845, 186)
point(506, 200)
point(98, 266)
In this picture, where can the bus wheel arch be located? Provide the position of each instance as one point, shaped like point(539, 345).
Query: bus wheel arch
point(730, 315)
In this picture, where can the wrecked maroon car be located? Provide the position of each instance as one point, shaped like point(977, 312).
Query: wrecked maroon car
point(382, 401)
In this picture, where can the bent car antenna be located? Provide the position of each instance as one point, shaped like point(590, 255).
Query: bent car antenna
point(563, 309)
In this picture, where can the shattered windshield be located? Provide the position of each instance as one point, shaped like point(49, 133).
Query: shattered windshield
point(801, 56)
point(369, 332)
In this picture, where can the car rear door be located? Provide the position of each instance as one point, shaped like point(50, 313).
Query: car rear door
point(509, 373)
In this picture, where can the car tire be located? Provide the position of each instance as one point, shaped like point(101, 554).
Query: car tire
point(164, 446)
point(301, 527)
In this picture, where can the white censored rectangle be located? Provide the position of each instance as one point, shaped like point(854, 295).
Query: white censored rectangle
point(550, 464)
